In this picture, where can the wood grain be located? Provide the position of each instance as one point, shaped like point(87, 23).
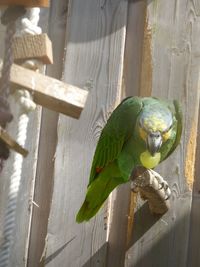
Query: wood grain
point(33, 47)
point(48, 141)
point(193, 247)
point(175, 29)
point(94, 59)
point(49, 92)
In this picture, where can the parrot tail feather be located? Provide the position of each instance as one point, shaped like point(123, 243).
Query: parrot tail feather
point(85, 213)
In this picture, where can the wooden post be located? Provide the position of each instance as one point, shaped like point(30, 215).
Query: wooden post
point(27, 3)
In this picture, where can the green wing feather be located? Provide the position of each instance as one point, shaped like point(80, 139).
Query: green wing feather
point(174, 142)
point(179, 119)
point(117, 131)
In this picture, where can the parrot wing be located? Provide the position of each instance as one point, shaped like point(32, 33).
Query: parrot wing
point(116, 132)
point(105, 174)
point(179, 120)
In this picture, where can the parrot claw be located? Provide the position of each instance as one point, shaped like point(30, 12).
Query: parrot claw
point(162, 184)
point(167, 193)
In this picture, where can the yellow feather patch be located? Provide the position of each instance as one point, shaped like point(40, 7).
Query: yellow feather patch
point(149, 161)
point(155, 124)
point(166, 135)
point(143, 134)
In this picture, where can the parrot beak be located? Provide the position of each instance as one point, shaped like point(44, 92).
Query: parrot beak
point(154, 142)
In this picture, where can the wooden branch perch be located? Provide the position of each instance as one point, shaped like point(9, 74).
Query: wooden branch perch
point(153, 188)
point(49, 92)
point(11, 143)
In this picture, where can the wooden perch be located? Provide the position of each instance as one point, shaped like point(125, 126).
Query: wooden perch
point(49, 92)
point(152, 188)
point(33, 46)
point(27, 3)
point(11, 143)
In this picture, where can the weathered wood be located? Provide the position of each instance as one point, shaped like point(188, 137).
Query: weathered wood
point(193, 247)
point(28, 3)
point(48, 141)
point(49, 92)
point(11, 143)
point(172, 29)
point(94, 58)
point(33, 47)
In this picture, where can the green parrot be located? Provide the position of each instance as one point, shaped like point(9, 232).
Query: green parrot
point(139, 132)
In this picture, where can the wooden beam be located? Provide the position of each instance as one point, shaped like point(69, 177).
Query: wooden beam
point(11, 143)
point(27, 3)
point(49, 92)
point(33, 46)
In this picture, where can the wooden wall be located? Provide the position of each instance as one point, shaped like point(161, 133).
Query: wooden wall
point(172, 29)
point(112, 49)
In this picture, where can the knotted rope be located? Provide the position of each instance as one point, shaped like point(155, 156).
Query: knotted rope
point(9, 17)
point(23, 97)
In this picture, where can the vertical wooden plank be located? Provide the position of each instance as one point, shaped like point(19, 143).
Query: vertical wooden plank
point(173, 29)
point(94, 59)
point(193, 247)
point(134, 46)
point(48, 142)
point(121, 219)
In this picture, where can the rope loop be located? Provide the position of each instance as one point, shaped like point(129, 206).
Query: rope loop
point(25, 100)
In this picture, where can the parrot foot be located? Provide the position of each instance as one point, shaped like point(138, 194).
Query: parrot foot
point(162, 184)
point(153, 188)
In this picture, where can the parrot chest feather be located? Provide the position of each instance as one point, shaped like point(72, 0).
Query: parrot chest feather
point(149, 161)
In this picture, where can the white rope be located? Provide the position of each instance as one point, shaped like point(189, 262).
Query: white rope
point(28, 26)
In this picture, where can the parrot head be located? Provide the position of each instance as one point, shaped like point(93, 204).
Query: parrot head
point(155, 128)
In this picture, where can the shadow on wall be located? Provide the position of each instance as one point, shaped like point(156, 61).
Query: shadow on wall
point(155, 242)
point(102, 10)
point(160, 242)
point(96, 259)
